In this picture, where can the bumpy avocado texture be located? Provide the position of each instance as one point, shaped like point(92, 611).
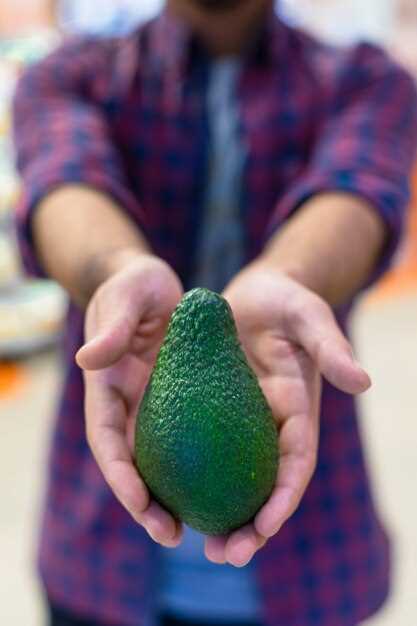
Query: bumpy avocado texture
point(206, 441)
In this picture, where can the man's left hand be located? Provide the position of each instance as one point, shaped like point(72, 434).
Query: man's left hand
point(291, 338)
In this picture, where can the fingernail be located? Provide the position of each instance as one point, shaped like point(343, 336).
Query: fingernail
point(273, 530)
point(85, 347)
point(359, 366)
point(93, 341)
point(216, 561)
point(154, 534)
point(169, 543)
point(367, 380)
point(354, 360)
point(244, 564)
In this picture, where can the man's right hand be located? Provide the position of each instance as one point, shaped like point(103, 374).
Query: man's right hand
point(125, 324)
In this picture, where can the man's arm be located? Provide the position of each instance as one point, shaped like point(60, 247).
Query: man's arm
point(82, 237)
point(77, 201)
point(331, 245)
point(341, 219)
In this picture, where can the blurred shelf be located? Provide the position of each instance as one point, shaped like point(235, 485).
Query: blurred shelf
point(31, 317)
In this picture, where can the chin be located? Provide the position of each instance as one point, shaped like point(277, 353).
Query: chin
point(217, 6)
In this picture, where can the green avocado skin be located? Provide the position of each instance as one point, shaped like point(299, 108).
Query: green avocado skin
point(206, 443)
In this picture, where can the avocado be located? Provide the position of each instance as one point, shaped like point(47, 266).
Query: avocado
point(206, 442)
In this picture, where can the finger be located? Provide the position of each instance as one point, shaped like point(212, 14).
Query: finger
point(215, 549)
point(161, 526)
point(242, 545)
point(107, 347)
point(109, 445)
point(121, 475)
point(315, 328)
point(106, 433)
point(145, 295)
point(298, 447)
point(113, 317)
point(111, 344)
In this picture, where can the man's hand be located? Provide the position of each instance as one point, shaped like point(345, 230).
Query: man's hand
point(125, 324)
point(290, 337)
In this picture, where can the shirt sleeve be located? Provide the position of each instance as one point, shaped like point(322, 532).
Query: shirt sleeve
point(366, 143)
point(62, 134)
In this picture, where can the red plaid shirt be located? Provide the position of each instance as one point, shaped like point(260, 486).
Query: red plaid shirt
point(128, 117)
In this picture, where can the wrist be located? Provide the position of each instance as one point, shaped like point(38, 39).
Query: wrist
point(330, 245)
point(292, 270)
point(102, 266)
point(120, 259)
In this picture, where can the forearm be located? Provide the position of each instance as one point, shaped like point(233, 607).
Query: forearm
point(82, 237)
point(331, 245)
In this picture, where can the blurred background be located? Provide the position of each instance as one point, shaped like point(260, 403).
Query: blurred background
point(31, 312)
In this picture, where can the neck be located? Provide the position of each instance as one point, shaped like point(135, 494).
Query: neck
point(223, 33)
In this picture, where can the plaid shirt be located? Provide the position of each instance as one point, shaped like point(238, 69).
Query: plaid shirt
point(129, 117)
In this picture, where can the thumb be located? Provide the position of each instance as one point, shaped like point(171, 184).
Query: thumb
point(315, 328)
point(128, 312)
point(106, 348)
point(110, 325)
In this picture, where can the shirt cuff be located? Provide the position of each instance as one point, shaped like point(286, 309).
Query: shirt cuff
point(388, 199)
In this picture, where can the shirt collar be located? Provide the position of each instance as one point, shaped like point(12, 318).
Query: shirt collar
point(173, 46)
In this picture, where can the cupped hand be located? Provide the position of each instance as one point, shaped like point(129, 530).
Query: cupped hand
point(291, 338)
point(125, 324)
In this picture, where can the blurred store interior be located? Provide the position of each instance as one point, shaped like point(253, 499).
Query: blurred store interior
point(31, 312)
